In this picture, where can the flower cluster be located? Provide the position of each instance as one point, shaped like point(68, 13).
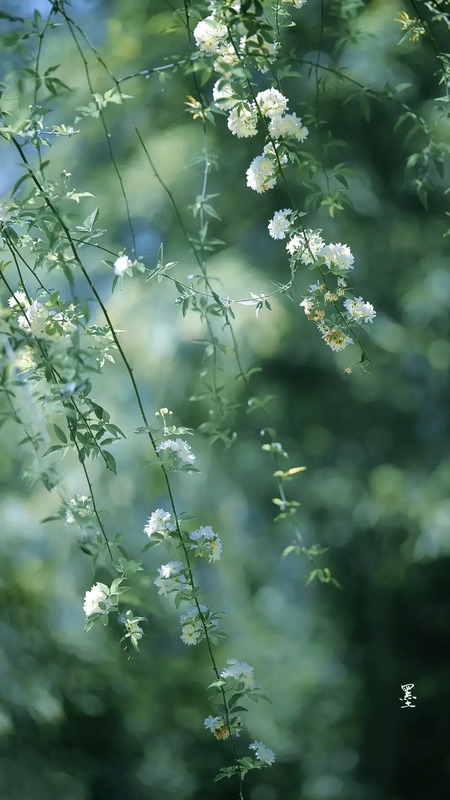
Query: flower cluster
point(121, 265)
point(358, 310)
point(205, 542)
point(159, 526)
point(39, 318)
point(237, 681)
point(213, 37)
point(280, 223)
point(97, 600)
point(78, 510)
point(307, 247)
point(193, 625)
point(218, 726)
point(171, 578)
point(263, 753)
point(243, 120)
point(241, 672)
point(220, 36)
point(180, 450)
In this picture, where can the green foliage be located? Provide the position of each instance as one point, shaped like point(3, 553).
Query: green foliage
point(91, 343)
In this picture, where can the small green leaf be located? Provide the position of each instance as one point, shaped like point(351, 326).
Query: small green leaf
point(60, 434)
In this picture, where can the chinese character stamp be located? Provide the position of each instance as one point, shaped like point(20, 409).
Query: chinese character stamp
point(408, 695)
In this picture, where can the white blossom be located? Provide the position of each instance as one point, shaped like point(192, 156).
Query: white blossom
point(206, 541)
point(288, 126)
point(179, 447)
point(242, 121)
point(18, 299)
point(92, 599)
point(170, 569)
point(307, 304)
point(358, 310)
point(335, 338)
point(121, 265)
point(190, 634)
point(308, 243)
point(279, 224)
point(36, 320)
point(209, 35)
point(170, 577)
point(213, 723)
point(260, 174)
point(271, 102)
point(223, 94)
point(193, 627)
point(240, 671)
point(263, 753)
point(339, 254)
point(159, 522)
point(227, 59)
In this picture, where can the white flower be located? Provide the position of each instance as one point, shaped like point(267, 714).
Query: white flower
point(121, 265)
point(227, 59)
point(18, 299)
point(179, 447)
point(209, 35)
point(193, 624)
point(260, 174)
point(358, 310)
point(212, 723)
point(240, 671)
point(173, 568)
point(223, 95)
point(307, 304)
point(279, 224)
point(242, 121)
point(215, 550)
point(293, 245)
point(263, 753)
point(159, 522)
point(206, 541)
point(271, 102)
point(170, 577)
point(335, 338)
point(190, 634)
point(92, 599)
point(288, 125)
point(35, 321)
point(339, 254)
point(310, 245)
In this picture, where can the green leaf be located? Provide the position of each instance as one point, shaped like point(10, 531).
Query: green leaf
point(110, 461)
point(60, 434)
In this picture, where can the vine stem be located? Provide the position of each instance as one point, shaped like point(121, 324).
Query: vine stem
point(106, 131)
point(129, 370)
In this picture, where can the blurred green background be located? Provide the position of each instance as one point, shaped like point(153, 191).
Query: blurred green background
point(77, 720)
